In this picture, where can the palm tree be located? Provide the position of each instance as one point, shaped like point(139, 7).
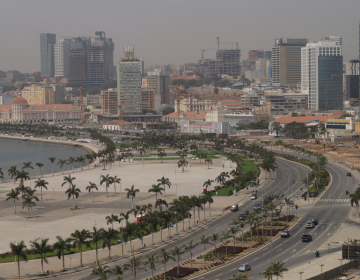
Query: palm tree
point(68, 180)
point(61, 162)
point(71, 161)
point(62, 246)
point(131, 192)
point(288, 202)
point(204, 240)
point(232, 232)
point(95, 236)
point(29, 201)
point(115, 181)
point(42, 248)
point(189, 248)
point(91, 188)
point(177, 252)
point(39, 164)
point(22, 189)
point(22, 175)
point(165, 258)
point(101, 270)
point(275, 269)
point(28, 166)
point(141, 229)
point(208, 161)
point(41, 184)
point(118, 271)
point(208, 183)
point(156, 189)
point(164, 182)
point(181, 163)
point(108, 236)
point(176, 208)
point(52, 160)
point(12, 172)
point(241, 226)
point(354, 199)
point(160, 202)
point(74, 192)
point(1, 174)
point(151, 262)
point(13, 194)
point(251, 220)
point(80, 238)
point(134, 264)
point(128, 232)
point(214, 238)
point(19, 251)
point(89, 159)
point(111, 219)
point(225, 236)
point(107, 180)
point(153, 221)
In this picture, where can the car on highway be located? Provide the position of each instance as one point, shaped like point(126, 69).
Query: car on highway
point(244, 267)
point(310, 224)
point(315, 222)
point(253, 196)
point(234, 207)
point(306, 238)
point(243, 214)
point(285, 233)
point(348, 174)
point(257, 206)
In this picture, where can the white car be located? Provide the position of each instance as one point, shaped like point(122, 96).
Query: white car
point(244, 267)
point(310, 224)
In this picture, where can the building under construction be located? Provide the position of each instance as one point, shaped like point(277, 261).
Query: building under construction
point(227, 62)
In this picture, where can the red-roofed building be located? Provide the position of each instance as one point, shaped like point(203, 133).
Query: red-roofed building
point(188, 116)
point(21, 112)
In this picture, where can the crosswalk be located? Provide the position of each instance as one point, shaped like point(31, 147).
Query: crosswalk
point(334, 200)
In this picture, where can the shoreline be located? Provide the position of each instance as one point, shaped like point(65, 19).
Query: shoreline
point(84, 146)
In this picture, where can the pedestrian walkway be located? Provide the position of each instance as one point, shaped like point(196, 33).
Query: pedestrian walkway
point(334, 200)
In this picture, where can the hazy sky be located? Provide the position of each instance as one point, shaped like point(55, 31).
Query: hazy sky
point(167, 31)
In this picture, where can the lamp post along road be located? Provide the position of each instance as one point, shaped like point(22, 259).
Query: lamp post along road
point(321, 265)
point(301, 272)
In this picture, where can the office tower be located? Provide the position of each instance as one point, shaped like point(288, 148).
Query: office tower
point(158, 81)
point(268, 55)
point(230, 62)
point(47, 42)
point(322, 75)
point(38, 95)
point(129, 81)
point(336, 39)
point(352, 79)
point(61, 57)
point(109, 100)
point(286, 62)
point(253, 56)
point(78, 62)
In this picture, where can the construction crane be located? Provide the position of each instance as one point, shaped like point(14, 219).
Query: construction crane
point(218, 42)
point(81, 105)
point(178, 90)
point(202, 52)
point(237, 43)
point(121, 112)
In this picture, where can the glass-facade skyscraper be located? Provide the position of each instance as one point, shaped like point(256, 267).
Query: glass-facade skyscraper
point(47, 42)
point(322, 75)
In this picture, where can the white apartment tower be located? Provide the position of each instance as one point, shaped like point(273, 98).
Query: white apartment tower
point(322, 75)
point(61, 57)
point(129, 81)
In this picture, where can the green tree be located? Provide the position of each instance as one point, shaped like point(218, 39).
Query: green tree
point(189, 249)
point(102, 271)
point(151, 262)
point(12, 172)
point(161, 154)
point(118, 271)
point(13, 194)
point(90, 188)
point(29, 202)
point(156, 189)
point(165, 257)
point(177, 252)
point(107, 180)
point(39, 164)
point(277, 269)
point(80, 238)
point(62, 246)
point(108, 236)
point(41, 184)
point(168, 110)
point(208, 161)
point(354, 199)
point(131, 192)
point(96, 236)
point(61, 162)
point(19, 250)
point(42, 248)
point(214, 238)
point(74, 192)
point(52, 160)
point(111, 219)
point(23, 176)
point(164, 182)
point(134, 264)
point(276, 127)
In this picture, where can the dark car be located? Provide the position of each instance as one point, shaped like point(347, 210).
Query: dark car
point(306, 238)
point(243, 214)
point(285, 233)
point(348, 174)
point(316, 222)
point(257, 206)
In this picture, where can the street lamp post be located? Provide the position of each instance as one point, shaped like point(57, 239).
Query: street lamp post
point(301, 272)
point(321, 265)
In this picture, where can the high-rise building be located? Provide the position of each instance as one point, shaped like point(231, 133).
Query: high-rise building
point(47, 42)
point(129, 81)
point(38, 95)
point(268, 55)
point(109, 101)
point(230, 62)
point(286, 62)
point(253, 56)
point(322, 75)
point(158, 81)
point(352, 79)
point(61, 56)
point(336, 39)
point(78, 59)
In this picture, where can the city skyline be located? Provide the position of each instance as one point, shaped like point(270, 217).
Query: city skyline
point(173, 32)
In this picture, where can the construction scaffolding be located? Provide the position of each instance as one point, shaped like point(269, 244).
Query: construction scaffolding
point(230, 62)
